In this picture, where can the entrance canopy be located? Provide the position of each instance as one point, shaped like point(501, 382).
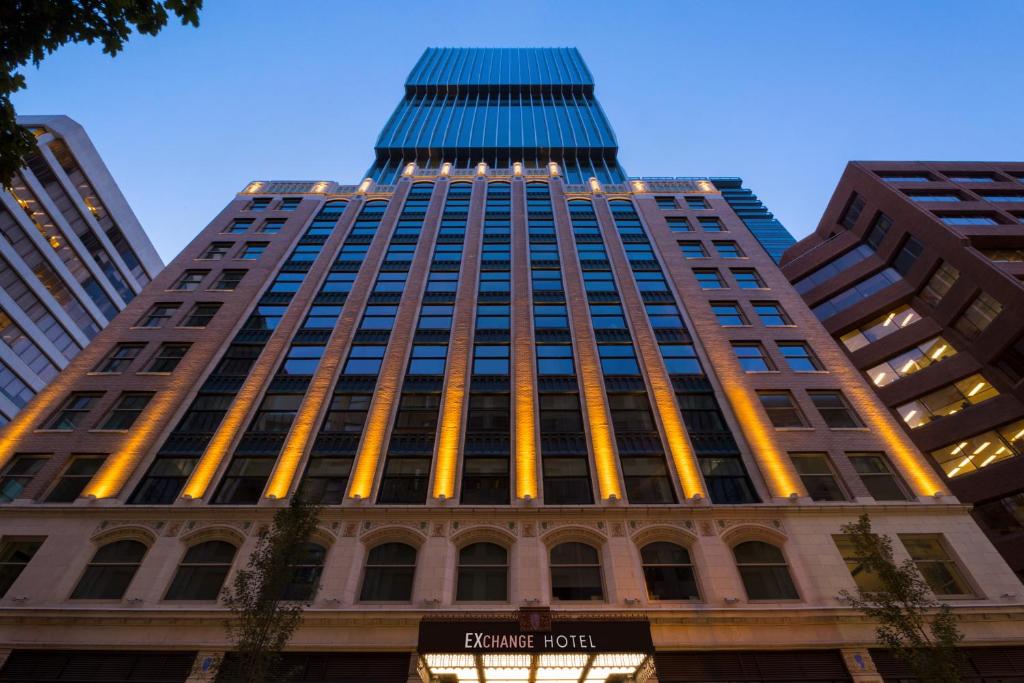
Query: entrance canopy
point(532, 646)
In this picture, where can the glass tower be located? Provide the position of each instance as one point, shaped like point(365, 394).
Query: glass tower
point(465, 106)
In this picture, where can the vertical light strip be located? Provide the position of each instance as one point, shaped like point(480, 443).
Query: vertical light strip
point(392, 369)
point(318, 393)
point(606, 462)
point(453, 399)
point(683, 458)
point(523, 380)
point(774, 466)
point(245, 400)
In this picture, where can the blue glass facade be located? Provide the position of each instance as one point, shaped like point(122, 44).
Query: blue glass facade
point(772, 234)
point(470, 105)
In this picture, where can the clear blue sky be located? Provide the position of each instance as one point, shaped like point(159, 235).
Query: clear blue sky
point(782, 94)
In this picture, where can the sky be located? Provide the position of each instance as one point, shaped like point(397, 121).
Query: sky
point(782, 94)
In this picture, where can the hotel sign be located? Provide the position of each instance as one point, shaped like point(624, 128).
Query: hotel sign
point(569, 635)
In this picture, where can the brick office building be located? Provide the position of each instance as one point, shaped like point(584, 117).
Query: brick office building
point(564, 426)
point(916, 270)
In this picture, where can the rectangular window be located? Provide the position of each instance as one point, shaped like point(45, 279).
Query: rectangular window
point(555, 359)
point(948, 400)
point(771, 314)
point(880, 327)
point(494, 282)
point(239, 225)
point(274, 416)
point(493, 317)
point(752, 357)
point(907, 256)
point(696, 203)
point(322, 317)
point(978, 316)
point(907, 363)
point(709, 278)
point(273, 226)
point(939, 284)
point(607, 317)
point(337, 283)
point(265, 318)
point(127, 409)
point(379, 318)
point(664, 316)
point(216, 251)
point(879, 229)
point(390, 283)
point(446, 283)
point(969, 219)
point(75, 477)
point(158, 315)
point(428, 359)
point(940, 571)
point(782, 410)
point(229, 280)
point(965, 456)
point(168, 357)
point(877, 476)
point(799, 357)
point(72, 414)
point(650, 281)
point(190, 280)
point(550, 317)
point(120, 358)
point(18, 474)
point(678, 224)
point(201, 315)
point(435, 317)
point(693, 250)
point(711, 225)
point(289, 283)
point(865, 580)
point(490, 359)
point(898, 177)
point(728, 313)
point(681, 359)
point(852, 212)
point(1013, 197)
point(259, 204)
point(748, 278)
point(835, 410)
point(364, 359)
point(666, 203)
point(817, 475)
point(289, 204)
point(618, 359)
point(302, 359)
point(728, 250)
point(856, 293)
point(253, 250)
point(15, 554)
point(934, 196)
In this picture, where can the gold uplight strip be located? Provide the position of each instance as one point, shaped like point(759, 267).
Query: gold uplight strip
point(392, 370)
point(591, 378)
point(318, 393)
point(453, 399)
point(683, 458)
point(523, 362)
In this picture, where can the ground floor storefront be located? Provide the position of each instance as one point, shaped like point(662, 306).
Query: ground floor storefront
point(530, 645)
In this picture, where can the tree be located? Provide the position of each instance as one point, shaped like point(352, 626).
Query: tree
point(33, 29)
point(262, 619)
point(918, 629)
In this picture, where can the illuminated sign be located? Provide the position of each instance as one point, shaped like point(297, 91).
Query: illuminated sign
point(509, 636)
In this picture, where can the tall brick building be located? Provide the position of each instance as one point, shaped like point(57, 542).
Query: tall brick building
point(564, 426)
point(916, 270)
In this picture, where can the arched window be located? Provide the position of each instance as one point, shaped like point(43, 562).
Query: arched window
point(305, 578)
point(668, 572)
point(110, 571)
point(575, 572)
point(202, 572)
point(764, 572)
point(390, 569)
point(483, 572)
